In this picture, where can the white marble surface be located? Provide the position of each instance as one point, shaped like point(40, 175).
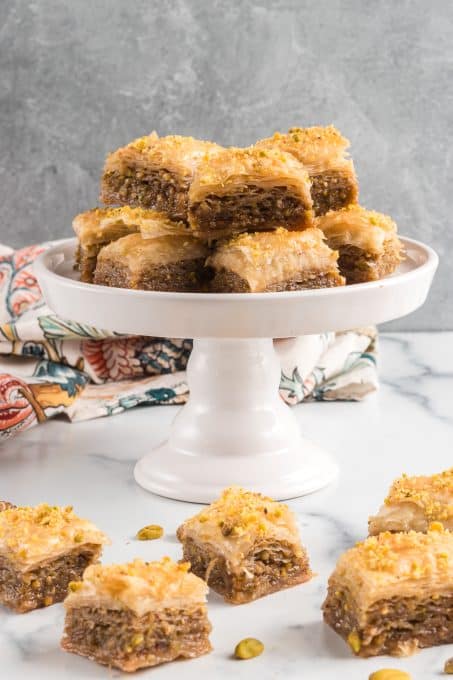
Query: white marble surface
point(407, 426)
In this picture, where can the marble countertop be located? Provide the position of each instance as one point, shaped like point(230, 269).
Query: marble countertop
point(406, 427)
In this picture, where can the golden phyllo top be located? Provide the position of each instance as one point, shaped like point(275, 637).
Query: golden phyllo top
point(33, 534)
point(434, 494)
point(94, 225)
point(134, 250)
point(238, 519)
point(234, 168)
point(315, 147)
point(138, 585)
point(357, 226)
point(174, 153)
point(262, 244)
point(398, 564)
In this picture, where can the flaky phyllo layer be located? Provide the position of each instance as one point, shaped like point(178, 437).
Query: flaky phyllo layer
point(264, 259)
point(138, 586)
point(415, 502)
point(103, 225)
point(136, 253)
point(355, 226)
point(30, 535)
point(237, 520)
point(397, 565)
point(249, 189)
point(318, 148)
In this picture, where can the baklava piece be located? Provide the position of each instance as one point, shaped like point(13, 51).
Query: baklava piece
point(393, 593)
point(154, 172)
point(165, 263)
point(251, 189)
point(414, 503)
point(274, 261)
point(245, 546)
point(42, 549)
point(137, 615)
point(367, 241)
point(323, 152)
point(100, 226)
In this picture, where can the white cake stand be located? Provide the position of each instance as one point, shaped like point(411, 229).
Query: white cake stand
point(235, 429)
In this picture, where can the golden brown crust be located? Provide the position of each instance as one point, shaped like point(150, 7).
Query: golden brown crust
point(399, 564)
point(233, 168)
point(174, 152)
point(267, 260)
point(356, 226)
point(139, 586)
point(30, 535)
point(103, 225)
point(318, 148)
point(135, 251)
point(416, 502)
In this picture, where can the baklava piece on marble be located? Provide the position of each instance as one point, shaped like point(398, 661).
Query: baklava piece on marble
point(42, 549)
point(413, 503)
point(164, 263)
point(245, 546)
point(367, 241)
point(250, 189)
point(393, 593)
point(323, 152)
point(154, 172)
point(274, 261)
point(137, 615)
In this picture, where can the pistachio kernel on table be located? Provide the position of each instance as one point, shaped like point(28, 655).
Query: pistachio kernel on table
point(448, 668)
point(389, 674)
point(150, 533)
point(248, 648)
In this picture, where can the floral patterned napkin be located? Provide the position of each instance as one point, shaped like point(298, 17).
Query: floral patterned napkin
point(50, 365)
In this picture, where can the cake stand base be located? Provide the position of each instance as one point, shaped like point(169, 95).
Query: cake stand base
point(235, 429)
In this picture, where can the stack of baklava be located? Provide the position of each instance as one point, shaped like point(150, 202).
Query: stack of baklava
point(188, 215)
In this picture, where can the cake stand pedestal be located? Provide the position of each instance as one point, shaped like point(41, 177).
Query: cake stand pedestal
point(235, 429)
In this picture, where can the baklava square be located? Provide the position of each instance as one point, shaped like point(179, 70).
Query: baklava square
point(414, 503)
point(42, 549)
point(393, 593)
point(274, 261)
point(366, 240)
point(245, 546)
point(323, 152)
point(250, 189)
point(164, 263)
point(137, 615)
point(154, 172)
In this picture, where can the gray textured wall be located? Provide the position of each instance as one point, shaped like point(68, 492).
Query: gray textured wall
point(80, 77)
